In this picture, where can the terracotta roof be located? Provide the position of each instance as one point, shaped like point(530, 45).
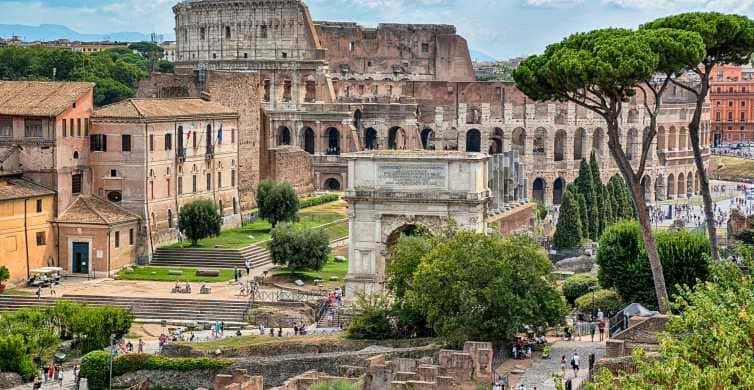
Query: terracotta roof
point(93, 210)
point(161, 108)
point(39, 98)
point(17, 188)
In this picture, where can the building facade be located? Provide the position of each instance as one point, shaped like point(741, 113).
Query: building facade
point(732, 103)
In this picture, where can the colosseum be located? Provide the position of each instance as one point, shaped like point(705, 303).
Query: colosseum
point(328, 88)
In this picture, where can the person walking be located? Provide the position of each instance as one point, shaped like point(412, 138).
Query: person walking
point(141, 345)
point(235, 274)
point(39, 296)
point(60, 376)
point(575, 363)
point(53, 293)
point(563, 366)
point(592, 330)
point(602, 329)
point(45, 372)
point(247, 264)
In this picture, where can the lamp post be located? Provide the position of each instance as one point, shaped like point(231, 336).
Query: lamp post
point(112, 349)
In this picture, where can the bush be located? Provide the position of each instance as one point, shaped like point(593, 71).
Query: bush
point(14, 356)
point(95, 365)
point(625, 267)
point(371, 319)
point(199, 219)
point(318, 200)
point(4, 274)
point(277, 202)
point(578, 285)
point(605, 300)
point(299, 248)
point(541, 211)
point(335, 385)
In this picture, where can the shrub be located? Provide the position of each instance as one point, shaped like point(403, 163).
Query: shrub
point(371, 319)
point(318, 200)
point(4, 274)
point(625, 267)
point(299, 248)
point(541, 211)
point(578, 285)
point(14, 356)
point(199, 219)
point(95, 365)
point(335, 385)
point(605, 300)
point(277, 202)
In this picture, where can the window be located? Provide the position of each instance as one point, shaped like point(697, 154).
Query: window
point(151, 190)
point(193, 183)
point(113, 173)
point(219, 180)
point(233, 136)
point(263, 31)
point(180, 185)
point(117, 239)
point(98, 143)
point(730, 103)
point(168, 141)
point(730, 117)
point(227, 32)
point(130, 236)
point(6, 127)
point(193, 139)
point(717, 116)
point(232, 177)
point(170, 218)
point(78, 127)
point(33, 128)
point(209, 182)
point(202, 33)
point(75, 155)
point(125, 142)
point(743, 104)
point(350, 46)
point(425, 47)
point(86, 127)
point(39, 205)
point(235, 207)
point(743, 116)
point(41, 238)
point(168, 185)
point(151, 142)
point(76, 183)
point(71, 127)
point(64, 130)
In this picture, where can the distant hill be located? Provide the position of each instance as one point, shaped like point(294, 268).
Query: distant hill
point(51, 32)
point(478, 56)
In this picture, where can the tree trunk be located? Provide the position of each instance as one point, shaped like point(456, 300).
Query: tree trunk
point(709, 213)
point(643, 213)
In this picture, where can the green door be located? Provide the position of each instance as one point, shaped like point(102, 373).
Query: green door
point(80, 258)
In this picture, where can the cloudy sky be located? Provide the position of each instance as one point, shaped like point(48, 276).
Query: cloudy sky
point(501, 28)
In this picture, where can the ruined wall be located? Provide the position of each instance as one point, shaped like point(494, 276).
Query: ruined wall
point(291, 164)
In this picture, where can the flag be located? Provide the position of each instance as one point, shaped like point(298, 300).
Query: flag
point(220, 135)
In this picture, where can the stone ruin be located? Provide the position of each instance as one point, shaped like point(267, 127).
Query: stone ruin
point(738, 222)
point(452, 369)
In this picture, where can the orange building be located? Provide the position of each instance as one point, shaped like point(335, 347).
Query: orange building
point(732, 102)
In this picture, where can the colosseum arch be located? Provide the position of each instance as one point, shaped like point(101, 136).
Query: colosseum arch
point(670, 186)
point(598, 142)
point(690, 184)
point(681, 186)
point(540, 137)
point(473, 141)
point(697, 190)
point(683, 139)
point(557, 190)
point(496, 141)
point(308, 140)
point(332, 184)
point(560, 145)
point(538, 189)
point(426, 135)
point(661, 140)
point(283, 136)
point(660, 188)
point(396, 138)
point(672, 138)
point(646, 187)
point(632, 144)
point(370, 139)
point(633, 115)
point(579, 139)
point(333, 141)
point(357, 119)
point(518, 140)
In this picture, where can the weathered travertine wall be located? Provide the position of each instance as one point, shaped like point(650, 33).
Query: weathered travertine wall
point(291, 164)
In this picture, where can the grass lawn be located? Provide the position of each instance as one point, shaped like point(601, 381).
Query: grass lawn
point(260, 230)
point(14, 291)
point(732, 168)
point(332, 268)
point(160, 274)
point(232, 343)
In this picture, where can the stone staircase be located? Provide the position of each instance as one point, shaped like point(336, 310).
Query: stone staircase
point(341, 318)
point(148, 309)
point(212, 258)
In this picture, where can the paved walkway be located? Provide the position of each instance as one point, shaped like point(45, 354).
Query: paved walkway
point(539, 374)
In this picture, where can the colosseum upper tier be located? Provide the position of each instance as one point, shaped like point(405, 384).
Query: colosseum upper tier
point(327, 88)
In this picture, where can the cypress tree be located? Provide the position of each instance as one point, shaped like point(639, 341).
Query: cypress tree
point(568, 232)
point(594, 166)
point(600, 201)
point(607, 208)
point(585, 186)
point(583, 213)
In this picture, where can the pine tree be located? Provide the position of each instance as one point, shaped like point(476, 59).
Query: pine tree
point(585, 186)
point(568, 232)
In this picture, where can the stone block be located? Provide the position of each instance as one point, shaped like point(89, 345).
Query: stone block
point(222, 380)
point(404, 376)
point(298, 282)
point(207, 272)
point(340, 259)
point(175, 272)
point(444, 383)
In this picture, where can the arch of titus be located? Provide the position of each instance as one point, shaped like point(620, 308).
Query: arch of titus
point(392, 191)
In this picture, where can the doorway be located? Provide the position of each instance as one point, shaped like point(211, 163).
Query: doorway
point(80, 258)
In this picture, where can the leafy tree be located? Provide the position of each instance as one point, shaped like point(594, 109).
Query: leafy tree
point(404, 260)
point(371, 319)
point(746, 236)
point(541, 211)
point(727, 39)
point(277, 202)
point(199, 219)
point(477, 287)
point(585, 185)
point(568, 229)
point(578, 285)
point(299, 248)
point(600, 70)
point(624, 265)
point(166, 66)
point(707, 346)
point(606, 300)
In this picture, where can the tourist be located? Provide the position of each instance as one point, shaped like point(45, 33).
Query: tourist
point(76, 371)
point(52, 289)
point(601, 326)
point(261, 329)
point(528, 351)
point(592, 330)
point(238, 332)
point(295, 329)
point(39, 296)
point(45, 372)
point(141, 345)
point(515, 352)
point(60, 376)
point(575, 363)
point(280, 332)
point(51, 372)
point(247, 264)
point(235, 274)
point(129, 347)
point(272, 332)
point(222, 328)
point(37, 384)
point(563, 366)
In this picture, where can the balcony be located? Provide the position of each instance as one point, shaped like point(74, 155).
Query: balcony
point(209, 153)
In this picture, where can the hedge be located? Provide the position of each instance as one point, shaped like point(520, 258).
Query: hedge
point(318, 200)
point(578, 285)
point(95, 366)
point(605, 300)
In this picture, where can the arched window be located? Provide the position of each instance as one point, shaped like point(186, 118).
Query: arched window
point(357, 119)
point(284, 136)
point(579, 138)
point(557, 190)
point(370, 139)
point(496, 141)
point(633, 144)
point(396, 138)
point(518, 141)
point(333, 142)
point(473, 141)
point(598, 142)
point(539, 141)
point(560, 141)
point(309, 140)
point(538, 190)
point(75, 155)
point(427, 135)
point(332, 184)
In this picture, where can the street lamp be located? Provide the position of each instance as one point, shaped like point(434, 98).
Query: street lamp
point(112, 350)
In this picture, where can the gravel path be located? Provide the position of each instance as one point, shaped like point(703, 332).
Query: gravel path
point(539, 375)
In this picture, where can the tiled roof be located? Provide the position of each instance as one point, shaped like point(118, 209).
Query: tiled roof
point(93, 210)
point(16, 188)
point(39, 98)
point(162, 108)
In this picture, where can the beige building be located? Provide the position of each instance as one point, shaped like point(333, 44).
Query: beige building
point(152, 156)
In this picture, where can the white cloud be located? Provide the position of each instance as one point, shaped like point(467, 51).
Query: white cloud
point(709, 5)
point(552, 3)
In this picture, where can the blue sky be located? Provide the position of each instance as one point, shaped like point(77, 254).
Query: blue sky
point(501, 28)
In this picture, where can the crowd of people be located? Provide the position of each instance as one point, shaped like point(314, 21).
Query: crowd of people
point(743, 153)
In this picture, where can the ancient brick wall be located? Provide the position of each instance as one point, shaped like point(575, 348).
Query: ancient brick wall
point(517, 220)
point(291, 164)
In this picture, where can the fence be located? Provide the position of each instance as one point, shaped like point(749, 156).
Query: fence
point(287, 296)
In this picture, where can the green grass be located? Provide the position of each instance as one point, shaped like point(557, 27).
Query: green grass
point(260, 230)
point(160, 274)
point(18, 292)
point(332, 268)
point(732, 168)
point(232, 343)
